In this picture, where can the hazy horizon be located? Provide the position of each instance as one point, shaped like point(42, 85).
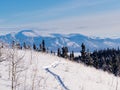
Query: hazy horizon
point(91, 18)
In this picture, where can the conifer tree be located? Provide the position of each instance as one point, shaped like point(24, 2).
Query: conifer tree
point(34, 47)
point(40, 46)
point(66, 52)
point(63, 51)
point(59, 52)
point(72, 55)
point(43, 46)
point(24, 45)
point(83, 51)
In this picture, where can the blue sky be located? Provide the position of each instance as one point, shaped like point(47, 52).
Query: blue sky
point(89, 17)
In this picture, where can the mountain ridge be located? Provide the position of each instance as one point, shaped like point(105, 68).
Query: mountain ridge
point(55, 40)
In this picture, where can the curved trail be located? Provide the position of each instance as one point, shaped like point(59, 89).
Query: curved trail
point(57, 77)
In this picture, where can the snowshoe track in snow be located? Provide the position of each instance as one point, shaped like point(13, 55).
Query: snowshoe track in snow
point(57, 77)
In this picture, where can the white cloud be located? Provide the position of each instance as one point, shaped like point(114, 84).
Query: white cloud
point(103, 24)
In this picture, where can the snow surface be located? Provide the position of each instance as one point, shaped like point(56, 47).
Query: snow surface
point(50, 72)
point(109, 43)
point(30, 34)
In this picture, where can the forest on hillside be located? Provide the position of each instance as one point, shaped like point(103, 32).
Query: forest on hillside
point(106, 59)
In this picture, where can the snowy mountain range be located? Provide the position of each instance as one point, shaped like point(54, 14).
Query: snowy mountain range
point(54, 40)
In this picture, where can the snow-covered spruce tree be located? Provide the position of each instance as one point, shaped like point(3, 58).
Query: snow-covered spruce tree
point(34, 46)
point(58, 52)
point(40, 46)
point(72, 55)
point(83, 53)
point(65, 52)
point(43, 45)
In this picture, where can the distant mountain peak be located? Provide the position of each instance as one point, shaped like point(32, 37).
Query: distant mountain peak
point(28, 33)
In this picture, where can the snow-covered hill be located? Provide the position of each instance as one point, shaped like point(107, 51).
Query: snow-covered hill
point(41, 71)
point(53, 41)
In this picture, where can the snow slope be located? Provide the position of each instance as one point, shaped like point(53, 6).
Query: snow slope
point(49, 72)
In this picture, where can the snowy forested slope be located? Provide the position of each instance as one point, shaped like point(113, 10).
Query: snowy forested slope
point(41, 71)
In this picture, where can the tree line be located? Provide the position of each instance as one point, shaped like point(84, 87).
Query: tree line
point(106, 59)
point(41, 47)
